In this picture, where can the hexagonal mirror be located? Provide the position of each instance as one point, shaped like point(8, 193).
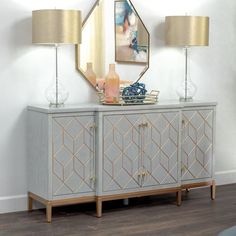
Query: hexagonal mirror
point(113, 32)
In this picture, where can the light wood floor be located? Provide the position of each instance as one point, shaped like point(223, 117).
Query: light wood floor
point(159, 215)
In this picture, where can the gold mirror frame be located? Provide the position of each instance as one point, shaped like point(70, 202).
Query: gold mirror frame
point(77, 47)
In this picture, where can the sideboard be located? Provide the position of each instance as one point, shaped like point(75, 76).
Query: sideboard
point(96, 153)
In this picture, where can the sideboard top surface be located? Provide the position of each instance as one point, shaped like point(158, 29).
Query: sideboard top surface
point(93, 107)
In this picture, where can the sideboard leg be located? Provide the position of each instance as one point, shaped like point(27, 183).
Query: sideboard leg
point(213, 190)
point(126, 202)
point(49, 212)
point(30, 203)
point(178, 197)
point(99, 207)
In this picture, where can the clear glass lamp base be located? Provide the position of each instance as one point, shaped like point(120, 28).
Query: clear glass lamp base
point(56, 95)
point(186, 91)
point(188, 99)
point(54, 105)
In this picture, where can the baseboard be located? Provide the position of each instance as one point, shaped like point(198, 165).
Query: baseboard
point(225, 177)
point(13, 203)
point(19, 202)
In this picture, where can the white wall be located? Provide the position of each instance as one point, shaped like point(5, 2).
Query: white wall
point(26, 70)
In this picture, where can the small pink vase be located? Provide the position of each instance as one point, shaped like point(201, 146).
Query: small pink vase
point(112, 85)
point(90, 75)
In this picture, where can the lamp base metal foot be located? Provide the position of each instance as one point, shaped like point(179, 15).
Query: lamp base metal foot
point(188, 99)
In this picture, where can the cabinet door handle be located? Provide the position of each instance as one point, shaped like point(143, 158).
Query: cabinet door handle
point(145, 173)
point(140, 178)
point(93, 179)
point(143, 125)
point(93, 126)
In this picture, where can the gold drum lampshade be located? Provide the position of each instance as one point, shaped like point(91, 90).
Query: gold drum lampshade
point(56, 26)
point(187, 30)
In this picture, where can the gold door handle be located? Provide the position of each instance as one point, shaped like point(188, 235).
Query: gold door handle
point(140, 174)
point(140, 178)
point(93, 126)
point(93, 179)
point(145, 124)
point(145, 173)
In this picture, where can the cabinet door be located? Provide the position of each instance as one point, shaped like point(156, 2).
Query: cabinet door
point(121, 151)
point(197, 144)
point(160, 148)
point(73, 155)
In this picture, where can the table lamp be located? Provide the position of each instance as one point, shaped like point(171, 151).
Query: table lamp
point(56, 27)
point(186, 31)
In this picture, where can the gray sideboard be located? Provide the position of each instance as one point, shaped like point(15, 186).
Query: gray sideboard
point(95, 153)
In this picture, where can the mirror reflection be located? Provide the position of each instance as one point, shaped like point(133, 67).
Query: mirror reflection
point(113, 31)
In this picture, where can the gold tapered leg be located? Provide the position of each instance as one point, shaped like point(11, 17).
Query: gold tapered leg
point(213, 190)
point(49, 213)
point(30, 203)
point(99, 207)
point(178, 197)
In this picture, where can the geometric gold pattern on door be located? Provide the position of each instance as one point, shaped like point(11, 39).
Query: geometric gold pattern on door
point(121, 150)
point(197, 144)
point(130, 149)
point(73, 160)
point(160, 151)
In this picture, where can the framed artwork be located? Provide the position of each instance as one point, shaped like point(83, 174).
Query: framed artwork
point(131, 36)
